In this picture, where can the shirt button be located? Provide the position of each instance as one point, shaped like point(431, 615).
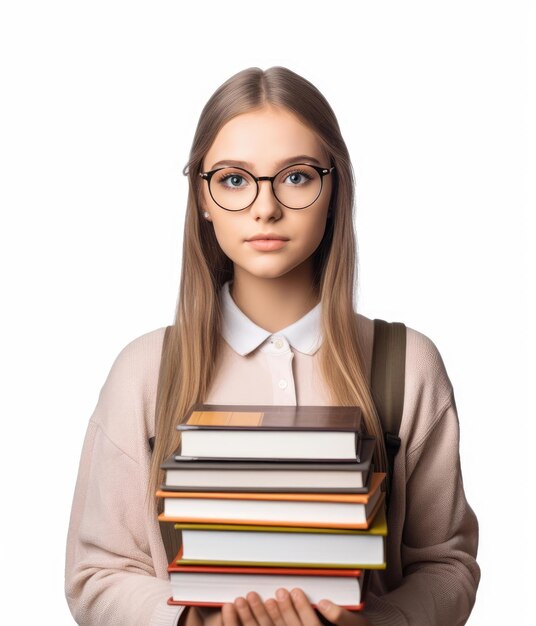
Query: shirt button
point(283, 384)
point(278, 344)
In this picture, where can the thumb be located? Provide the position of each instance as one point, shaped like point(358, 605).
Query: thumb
point(339, 616)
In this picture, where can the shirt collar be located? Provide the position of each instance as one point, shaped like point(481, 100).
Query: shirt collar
point(243, 335)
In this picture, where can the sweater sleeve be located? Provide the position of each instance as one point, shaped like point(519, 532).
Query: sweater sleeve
point(109, 573)
point(440, 537)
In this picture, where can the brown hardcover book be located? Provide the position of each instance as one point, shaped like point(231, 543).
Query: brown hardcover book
point(272, 432)
point(227, 475)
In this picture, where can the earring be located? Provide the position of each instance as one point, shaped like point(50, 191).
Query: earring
point(205, 214)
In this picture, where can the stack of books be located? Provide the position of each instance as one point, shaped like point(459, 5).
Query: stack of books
point(273, 496)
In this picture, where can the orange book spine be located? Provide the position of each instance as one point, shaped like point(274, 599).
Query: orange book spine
point(198, 520)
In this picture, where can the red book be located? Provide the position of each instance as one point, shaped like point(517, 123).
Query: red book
point(214, 585)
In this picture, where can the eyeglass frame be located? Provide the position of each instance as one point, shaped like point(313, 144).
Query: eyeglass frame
point(323, 171)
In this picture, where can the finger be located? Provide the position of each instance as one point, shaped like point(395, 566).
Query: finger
point(258, 609)
point(286, 608)
point(336, 614)
point(209, 615)
point(244, 612)
point(303, 607)
point(228, 615)
point(272, 608)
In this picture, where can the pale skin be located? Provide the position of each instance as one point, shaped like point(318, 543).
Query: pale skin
point(274, 289)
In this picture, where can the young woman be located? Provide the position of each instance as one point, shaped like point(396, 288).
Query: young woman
point(266, 315)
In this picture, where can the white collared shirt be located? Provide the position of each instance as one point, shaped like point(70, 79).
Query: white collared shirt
point(260, 367)
point(243, 335)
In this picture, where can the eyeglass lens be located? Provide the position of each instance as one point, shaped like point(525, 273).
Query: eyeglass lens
point(295, 187)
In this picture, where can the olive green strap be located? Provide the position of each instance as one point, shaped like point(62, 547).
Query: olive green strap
point(387, 382)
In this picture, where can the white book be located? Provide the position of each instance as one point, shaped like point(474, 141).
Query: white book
point(284, 546)
point(186, 474)
point(218, 588)
point(229, 431)
point(297, 512)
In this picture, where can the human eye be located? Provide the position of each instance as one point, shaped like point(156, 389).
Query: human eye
point(233, 178)
point(299, 176)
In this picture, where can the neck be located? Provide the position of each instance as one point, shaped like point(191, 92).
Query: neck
point(274, 303)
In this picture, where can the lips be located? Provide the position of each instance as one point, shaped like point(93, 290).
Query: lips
point(267, 244)
point(267, 238)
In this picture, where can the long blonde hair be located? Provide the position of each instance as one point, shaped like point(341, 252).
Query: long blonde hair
point(192, 354)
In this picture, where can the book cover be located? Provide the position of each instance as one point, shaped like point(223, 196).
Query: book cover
point(284, 546)
point(212, 585)
point(378, 527)
point(348, 498)
point(187, 474)
point(368, 515)
point(272, 417)
point(287, 571)
point(171, 602)
point(287, 509)
point(272, 432)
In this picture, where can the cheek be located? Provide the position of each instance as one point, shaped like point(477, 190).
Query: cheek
point(227, 237)
point(315, 231)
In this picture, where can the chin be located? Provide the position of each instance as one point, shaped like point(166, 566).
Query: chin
point(269, 272)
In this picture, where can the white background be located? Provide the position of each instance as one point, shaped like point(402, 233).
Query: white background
point(98, 109)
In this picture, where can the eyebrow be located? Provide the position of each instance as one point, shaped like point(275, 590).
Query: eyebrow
point(295, 159)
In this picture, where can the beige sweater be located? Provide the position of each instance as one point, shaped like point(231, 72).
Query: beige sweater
point(116, 567)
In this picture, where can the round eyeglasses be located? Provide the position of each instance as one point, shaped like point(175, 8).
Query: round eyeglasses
point(296, 186)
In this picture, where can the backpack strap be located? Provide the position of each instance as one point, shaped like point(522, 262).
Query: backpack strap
point(387, 382)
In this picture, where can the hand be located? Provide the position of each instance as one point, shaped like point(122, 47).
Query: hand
point(292, 609)
point(203, 616)
point(210, 616)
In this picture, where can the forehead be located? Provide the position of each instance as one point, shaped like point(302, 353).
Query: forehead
point(264, 137)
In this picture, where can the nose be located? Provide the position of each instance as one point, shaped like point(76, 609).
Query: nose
point(266, 205)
